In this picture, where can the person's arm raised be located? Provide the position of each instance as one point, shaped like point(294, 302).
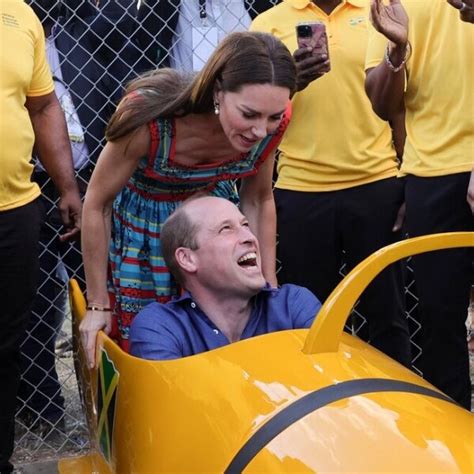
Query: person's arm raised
point(258, 205)
point(115, 165)
point(385, 83)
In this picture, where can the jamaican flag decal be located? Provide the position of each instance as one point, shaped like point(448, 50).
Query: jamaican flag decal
point(106, 397)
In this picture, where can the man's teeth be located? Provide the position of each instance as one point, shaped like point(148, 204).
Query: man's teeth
point(248, 256)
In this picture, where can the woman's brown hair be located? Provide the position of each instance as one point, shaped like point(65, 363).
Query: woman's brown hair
point(240, 59)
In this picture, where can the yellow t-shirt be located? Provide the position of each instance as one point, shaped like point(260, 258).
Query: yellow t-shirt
point(24, 72)
point(334, 140)
point(439, 97)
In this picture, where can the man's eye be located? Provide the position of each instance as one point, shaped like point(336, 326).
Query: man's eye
point(245, 224)
point(248, 115)
point(224, 228)
point(275, 119)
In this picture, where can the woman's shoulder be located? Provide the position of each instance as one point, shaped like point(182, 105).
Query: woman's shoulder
point(135, 144)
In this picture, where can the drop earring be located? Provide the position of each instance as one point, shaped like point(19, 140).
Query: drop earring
point(216, 108)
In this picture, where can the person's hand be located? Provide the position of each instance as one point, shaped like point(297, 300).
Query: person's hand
point(470, 192)
point(70, 208)
point(390, 20)
point(466, 9)
point(399, 219)
point(93, 322)
point(309, 67)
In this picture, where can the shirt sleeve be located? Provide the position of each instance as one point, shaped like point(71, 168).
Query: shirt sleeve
point(305, 306)
point(41, 80)
point(375, 48)
point(260, 24)
point(153, 335)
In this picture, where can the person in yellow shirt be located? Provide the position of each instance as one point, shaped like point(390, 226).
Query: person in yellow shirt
point(424, 58)
point(337, 189)
point(31, 114)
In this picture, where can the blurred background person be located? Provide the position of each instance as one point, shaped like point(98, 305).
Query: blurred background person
point(337, 188)
point(183, 34)
point(34, 118)
point(87, 88)
point(424, 47)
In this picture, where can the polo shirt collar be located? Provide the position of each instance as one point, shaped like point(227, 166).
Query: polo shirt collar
point(186, 295)
point(302, 4)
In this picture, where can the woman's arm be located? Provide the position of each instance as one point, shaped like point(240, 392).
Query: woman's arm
point(258, 205)
point(115, 165)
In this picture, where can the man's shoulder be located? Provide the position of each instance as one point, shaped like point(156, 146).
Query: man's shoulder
point(290, 307)
point(292, 296)
point(17, 14)
point(16, 5)
point(289, 290)
point(159, 314)
point(158, 332)
point(298, 298)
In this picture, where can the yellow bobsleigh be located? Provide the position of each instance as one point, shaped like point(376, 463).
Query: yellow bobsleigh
point(316, 400)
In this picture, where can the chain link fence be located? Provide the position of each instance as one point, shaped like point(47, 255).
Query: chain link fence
point(94, 48)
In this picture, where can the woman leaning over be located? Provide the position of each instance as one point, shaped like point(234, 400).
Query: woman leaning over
point(171, 137)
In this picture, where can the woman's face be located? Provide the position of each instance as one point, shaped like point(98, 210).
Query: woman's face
point(249, 115)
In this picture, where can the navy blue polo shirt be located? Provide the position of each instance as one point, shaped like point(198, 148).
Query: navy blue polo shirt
point(179, 328)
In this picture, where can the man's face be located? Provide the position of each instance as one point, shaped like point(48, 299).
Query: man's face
point(228, 257)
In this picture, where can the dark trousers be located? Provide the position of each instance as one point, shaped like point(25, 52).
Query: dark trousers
point(19, 234)
point(313, 231)
point(40, 390)
point(443, 280)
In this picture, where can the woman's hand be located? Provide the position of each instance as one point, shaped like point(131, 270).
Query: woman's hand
point(93, 322)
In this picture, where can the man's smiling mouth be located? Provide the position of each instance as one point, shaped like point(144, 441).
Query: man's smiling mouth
point(248, 260)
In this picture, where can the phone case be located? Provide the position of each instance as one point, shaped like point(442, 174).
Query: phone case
point(317, 40)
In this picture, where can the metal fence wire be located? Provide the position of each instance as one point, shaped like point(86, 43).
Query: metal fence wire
point(98, 47)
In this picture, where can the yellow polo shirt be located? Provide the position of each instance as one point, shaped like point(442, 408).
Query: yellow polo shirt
point(334, 140)
point(24, 72)
point(439, 96)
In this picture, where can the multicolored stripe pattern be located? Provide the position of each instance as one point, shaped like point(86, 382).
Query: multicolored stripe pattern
point(139, 275)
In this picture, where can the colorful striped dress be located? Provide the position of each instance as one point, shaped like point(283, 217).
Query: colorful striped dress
point(138, 274)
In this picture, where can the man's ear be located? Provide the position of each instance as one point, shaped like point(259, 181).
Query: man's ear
point(186, 259)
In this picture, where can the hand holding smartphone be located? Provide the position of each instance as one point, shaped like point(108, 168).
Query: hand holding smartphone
point(315, 64)
point(313, 35)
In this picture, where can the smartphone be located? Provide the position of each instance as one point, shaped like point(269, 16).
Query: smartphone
point(313, 34)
